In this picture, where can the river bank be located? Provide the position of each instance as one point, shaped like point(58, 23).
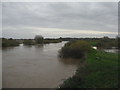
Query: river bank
point(101, 71)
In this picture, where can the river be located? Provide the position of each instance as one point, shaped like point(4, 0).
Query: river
point(112, 50)
point(36, 66)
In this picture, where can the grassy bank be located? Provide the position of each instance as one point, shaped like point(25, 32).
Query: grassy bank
point(101, 71)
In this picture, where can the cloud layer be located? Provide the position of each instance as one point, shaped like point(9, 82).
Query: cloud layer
point(88, 19)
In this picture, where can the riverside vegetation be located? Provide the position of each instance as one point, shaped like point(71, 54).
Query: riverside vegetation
point(101, 43)
point(13, 42)
point(9, 42)
point(38, 40)
point(75, 49)
point(45, 41)
point(100, 71)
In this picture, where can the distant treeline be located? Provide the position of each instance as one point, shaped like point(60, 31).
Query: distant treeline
point(44, 41)
point(104, 42)
point(15, 42)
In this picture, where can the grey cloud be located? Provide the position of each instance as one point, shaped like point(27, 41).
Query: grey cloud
point(80, 16)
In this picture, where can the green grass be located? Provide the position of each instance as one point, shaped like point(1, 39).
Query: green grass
point(101, 71)
point(93, 43)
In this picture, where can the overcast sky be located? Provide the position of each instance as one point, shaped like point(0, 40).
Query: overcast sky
point(54, 20)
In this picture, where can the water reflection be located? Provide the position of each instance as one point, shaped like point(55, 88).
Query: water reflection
point(70, 61)
point(28, 46)
point(9, 48)
point(39, 46)
point(112, 50)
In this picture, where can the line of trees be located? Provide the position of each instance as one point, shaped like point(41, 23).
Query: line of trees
point(40, 40)
point(104, 42)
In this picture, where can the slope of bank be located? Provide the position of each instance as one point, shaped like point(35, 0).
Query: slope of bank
point(101, 71)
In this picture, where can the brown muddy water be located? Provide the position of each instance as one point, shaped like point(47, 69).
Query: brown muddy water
point(35, 66)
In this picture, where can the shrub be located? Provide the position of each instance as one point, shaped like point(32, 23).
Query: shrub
point(39, 39)
point(106, 42)
point(9, 42)
point(75, 49)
